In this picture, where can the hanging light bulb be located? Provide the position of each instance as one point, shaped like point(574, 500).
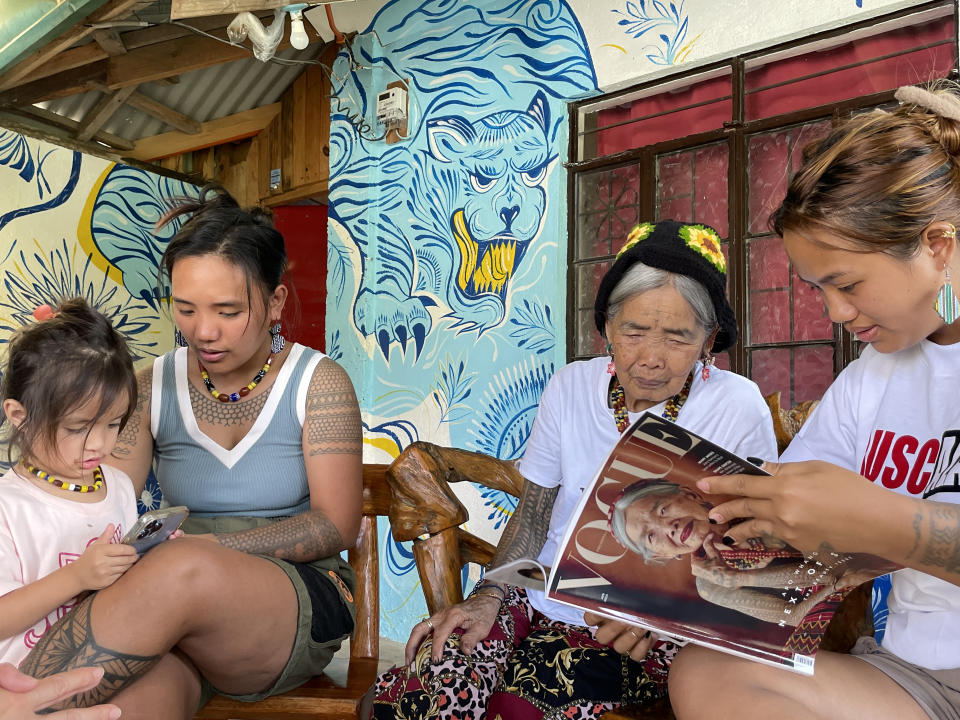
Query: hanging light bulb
point(298, 34)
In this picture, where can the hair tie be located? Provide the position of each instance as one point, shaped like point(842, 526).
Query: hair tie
point(43, 312)
point(944, 105)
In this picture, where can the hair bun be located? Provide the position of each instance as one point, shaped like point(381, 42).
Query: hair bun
point(944, 105)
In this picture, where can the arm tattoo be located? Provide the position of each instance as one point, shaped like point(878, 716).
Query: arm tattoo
point(943, 544)
point(332, 423)
point(526, 532)
point(127, 439)
point(70, 644)
point(301, 538)
point(917, 534)
point(213, 412)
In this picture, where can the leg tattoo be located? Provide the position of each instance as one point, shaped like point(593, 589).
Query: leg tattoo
point(70, 644)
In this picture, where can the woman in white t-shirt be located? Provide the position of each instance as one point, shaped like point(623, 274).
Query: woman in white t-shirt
point(869, 220)
point(512, 653)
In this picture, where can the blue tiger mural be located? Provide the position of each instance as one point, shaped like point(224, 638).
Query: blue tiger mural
point(456, 205)
point(446, 255)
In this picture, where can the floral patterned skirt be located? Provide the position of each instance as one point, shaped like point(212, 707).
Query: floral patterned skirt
point(527, 667)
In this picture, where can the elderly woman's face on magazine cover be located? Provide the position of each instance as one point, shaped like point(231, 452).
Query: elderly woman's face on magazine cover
point(669, 524)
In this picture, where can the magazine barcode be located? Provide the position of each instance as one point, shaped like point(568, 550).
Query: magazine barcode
point(802, 661)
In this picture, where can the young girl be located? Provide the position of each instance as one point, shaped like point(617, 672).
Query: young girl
point(870, 220)
point(68, 389)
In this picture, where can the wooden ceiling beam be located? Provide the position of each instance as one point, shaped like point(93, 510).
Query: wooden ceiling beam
point(109, 41)
point(214, 132)
point(33, 121)
point(98, 115)
point(151, 62)
point(132, 40)
point(171, 117)
point(112, 10)
point(78, 80)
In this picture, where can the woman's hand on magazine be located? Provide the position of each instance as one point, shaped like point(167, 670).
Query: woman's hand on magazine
point(807, 504)
point(475, 616)
point(626, 639)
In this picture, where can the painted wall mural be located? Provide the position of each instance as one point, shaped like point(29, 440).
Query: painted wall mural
point(75, 225)
point(446, 247)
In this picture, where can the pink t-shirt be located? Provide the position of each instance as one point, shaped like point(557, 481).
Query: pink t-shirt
point(41, 532)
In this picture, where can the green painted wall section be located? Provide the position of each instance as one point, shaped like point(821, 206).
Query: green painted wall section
point(26, 25)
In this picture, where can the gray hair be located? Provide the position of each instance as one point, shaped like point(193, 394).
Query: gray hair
point(618, 515)
point(640, 278)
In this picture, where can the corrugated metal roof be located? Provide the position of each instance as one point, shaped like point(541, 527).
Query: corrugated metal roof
point(203, 95)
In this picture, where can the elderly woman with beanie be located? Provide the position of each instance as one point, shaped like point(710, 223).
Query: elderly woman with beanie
point(512, 653)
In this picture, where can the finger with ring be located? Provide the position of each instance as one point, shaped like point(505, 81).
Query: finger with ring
point(429, 623)
point(636, 635)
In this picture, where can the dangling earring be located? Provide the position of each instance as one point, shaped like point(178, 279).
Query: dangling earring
point(947, 304)
point(708, 362)
point(277, 341)
point(611, 368)
point(178, 338)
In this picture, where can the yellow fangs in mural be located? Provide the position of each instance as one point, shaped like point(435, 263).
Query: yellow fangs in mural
point(496, 265)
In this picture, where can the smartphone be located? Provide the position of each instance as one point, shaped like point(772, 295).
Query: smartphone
point(155, 526)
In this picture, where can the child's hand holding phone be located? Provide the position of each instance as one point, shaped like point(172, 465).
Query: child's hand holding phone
point(103, 562)
point(155, 526)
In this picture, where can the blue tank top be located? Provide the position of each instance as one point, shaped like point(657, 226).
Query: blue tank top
point(263, 476)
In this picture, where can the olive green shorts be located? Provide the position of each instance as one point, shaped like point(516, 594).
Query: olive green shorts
point(309, 655)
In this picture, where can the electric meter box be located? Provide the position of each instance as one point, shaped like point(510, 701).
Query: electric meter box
point(392, 106)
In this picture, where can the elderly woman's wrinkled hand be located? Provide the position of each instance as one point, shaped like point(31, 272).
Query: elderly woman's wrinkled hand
point(475, 616)
point(712, 568)
point(626, 639)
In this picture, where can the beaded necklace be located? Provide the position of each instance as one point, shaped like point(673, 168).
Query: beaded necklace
point(74, 487)
point(619, 403)
point(242, 392)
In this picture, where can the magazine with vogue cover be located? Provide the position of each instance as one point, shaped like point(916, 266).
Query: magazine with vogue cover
point(641, 549)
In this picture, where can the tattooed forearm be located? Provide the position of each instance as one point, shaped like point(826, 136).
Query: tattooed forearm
point(942, 549)
point(70, 644)
point(332, 423)
point(128, 436)
point(302, 538)
point(526, 532)
point(917, 534)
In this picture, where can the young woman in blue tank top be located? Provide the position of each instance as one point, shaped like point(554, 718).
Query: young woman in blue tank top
point(261, 439)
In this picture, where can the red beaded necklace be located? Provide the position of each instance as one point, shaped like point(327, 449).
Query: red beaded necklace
point(618, 402)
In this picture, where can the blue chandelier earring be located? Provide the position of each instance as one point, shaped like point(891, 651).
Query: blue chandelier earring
point(277, 341)
point(178, 338)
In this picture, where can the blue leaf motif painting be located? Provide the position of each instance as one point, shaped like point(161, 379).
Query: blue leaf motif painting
point(668, 20)
point(52, 190)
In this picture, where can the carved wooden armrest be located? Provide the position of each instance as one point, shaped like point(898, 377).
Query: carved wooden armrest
point(425, 509)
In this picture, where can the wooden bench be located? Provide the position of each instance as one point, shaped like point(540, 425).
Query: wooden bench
point(415, 493)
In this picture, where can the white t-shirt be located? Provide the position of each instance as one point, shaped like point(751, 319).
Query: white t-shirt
point(41, 532)
point(574, 431)
point(886, 416)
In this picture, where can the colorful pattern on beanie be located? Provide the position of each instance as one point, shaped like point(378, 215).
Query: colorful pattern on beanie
point(705, 241)
point(640, 232)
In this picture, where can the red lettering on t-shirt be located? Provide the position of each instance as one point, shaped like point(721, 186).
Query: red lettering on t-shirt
point(917, 482)
point(905, 444)
point(896, 460)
